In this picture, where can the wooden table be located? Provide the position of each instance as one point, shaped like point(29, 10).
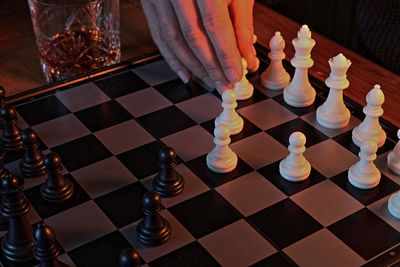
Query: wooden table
point(17, 46)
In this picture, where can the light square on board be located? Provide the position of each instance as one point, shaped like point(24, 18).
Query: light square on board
point(237, 244)
point(201, 108)
point(155, 72)
point(255, 81)
point(191, 142)
point(103, 177)
point(61, 130)
point(143, 102)
point(267, 114)
point(250, 193)
point(380, 208)
point(65, 223)
point(82, 96)
point(333, 203)
point(259, 150)
point(124, 136)
point(323, 249)
point(179, 237)
point(330, 158)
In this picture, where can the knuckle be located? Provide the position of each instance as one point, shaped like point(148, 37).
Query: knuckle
point(191, 34)
point(170, 35)
point(211, 21)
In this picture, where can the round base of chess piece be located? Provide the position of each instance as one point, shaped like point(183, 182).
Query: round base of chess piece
point(359, 136)
point(364, 180)
point(235, 126)
point(243, 91)
point(153, 237)
point(57, 193)
point(273, 82)
point(32, 170)
point(17, 254)
point(294, 173)
point(393, 162)
point(221, 165)
point(169, 188)
point(332, 120)
point(129, 258)
point(299, 100)
point(394, 205)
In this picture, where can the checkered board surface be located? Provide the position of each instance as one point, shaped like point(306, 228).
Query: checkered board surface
point(109, 131)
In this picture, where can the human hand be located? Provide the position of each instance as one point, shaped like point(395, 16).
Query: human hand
point(204, 38)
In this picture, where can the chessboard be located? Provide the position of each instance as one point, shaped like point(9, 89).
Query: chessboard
point(109, 129)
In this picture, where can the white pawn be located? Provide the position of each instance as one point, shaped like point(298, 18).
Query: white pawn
point(394, 205)
point(243, 88)
point(334, 114)
point(229, 116)
point(275, 76)
point(221, 159)
point(300, 93)
point(295, 166)
point(364, 174)
point(369, 128)
point(393, 159)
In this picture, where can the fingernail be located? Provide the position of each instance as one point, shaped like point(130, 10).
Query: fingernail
point(220, 86)
point(233, 76)
point(254, 38)
point(182, 75)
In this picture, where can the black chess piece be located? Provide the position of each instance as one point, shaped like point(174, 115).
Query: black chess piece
point(17, 246)
point(56, 188)
point(47, 250)
point(153, 230)
point(168, 182)
point(3, 172)
point(32, 163)
point(129, 258)
point(2, 101)
point(11, 139)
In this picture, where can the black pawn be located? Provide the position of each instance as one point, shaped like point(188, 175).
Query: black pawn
point(11, 138)
point(168, 182)
point(32, 163)
point(3, 172)
point(153, 230)
point(57, 188)
point(129, 258)
point(17, 246)
point(47, 250)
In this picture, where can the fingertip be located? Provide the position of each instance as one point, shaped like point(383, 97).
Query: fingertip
point(253, 64)
point(184, 76)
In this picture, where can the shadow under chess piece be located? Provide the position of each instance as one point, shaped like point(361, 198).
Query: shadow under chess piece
point(153, 230)
point(57, 188)
point(17, 246)
point(129, 258)
point(3, 172)
point(32, 163)
point(168, 182)
point(47, 250)
point(11, 138)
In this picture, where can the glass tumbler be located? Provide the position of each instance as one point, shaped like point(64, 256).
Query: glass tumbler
point(75, 36)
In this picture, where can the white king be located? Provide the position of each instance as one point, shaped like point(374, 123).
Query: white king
point(333, 114)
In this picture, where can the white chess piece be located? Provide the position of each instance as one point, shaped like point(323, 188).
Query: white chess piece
point(369, 128)
point(333, 114)
point(229, 116)
point(243, 88)
point(394, 205)
point(221, 159)
point(299, 92)
point(364, 174)
point(295, 166)
point(275, 76)
point(393, 159)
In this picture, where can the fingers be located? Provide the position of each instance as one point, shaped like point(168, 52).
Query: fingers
point(194, 33)
point(154, 25)
point(219, 29)
point(242, 17)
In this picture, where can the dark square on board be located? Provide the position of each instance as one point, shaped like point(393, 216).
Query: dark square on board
point(123, 206)
point(271, 173)
point(81, 152)
point(176, 91)
point(204, 214)
point(257, 97)
point(103, 251)
point(277, 259)
point(365, 233)
point(282, 132)
point(193, 255)
point(285, 223)
point(199, 167)
point(142, 161)
point(385, 187)
point(46, 209)
point(121, 84)
point(300, 111)
point(166, 121)
point(41, 110)
point(103, 115)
